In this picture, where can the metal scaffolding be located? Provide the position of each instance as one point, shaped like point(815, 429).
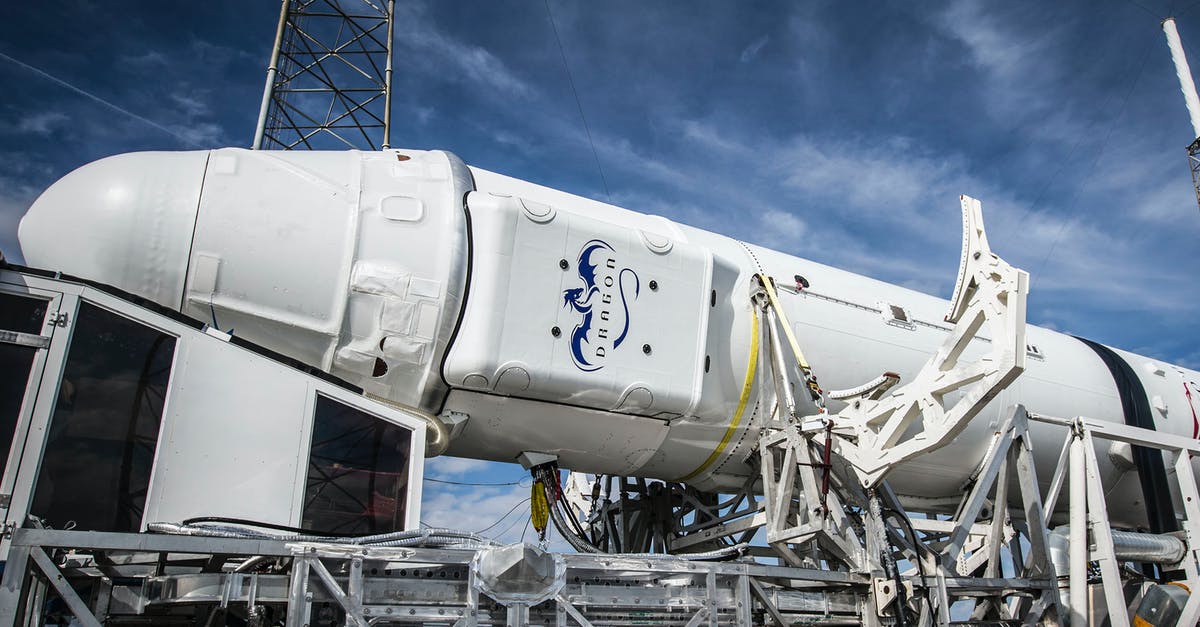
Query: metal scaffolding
point(329, 80)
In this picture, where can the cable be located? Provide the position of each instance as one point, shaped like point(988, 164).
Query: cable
point(1099, 153)
point(917, 546)
point(263, 525)
point(469, 483)
point(514, 523)
point(1146, 9)
point(578, 102)
point(1187, 8)
point(506, 514)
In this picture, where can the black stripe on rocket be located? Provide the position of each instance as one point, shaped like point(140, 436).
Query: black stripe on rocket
point(1149, 462)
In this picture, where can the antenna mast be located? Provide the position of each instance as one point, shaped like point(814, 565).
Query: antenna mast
point(329, 82)
point(1188, 87)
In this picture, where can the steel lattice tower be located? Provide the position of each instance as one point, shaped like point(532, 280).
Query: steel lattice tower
point(330, 76)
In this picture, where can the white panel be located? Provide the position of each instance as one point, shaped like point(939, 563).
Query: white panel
point(304, 227)
point(229, 448)
point(631, 321)
point(500, 428)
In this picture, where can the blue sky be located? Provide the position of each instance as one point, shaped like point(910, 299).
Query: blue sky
point(839, 132)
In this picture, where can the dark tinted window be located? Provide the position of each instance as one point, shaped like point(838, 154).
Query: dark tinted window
point(23, 314)
point(103, 433)
point(357, 472)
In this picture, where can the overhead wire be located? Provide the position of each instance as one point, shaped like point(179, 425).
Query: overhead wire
point(474, 483)
point(578, 103)
point(1145, 8)
point(506, 515)
point(1099, 152)
point(1187, 8)
point(1087, 133)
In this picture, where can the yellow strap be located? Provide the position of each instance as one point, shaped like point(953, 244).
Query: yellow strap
point(539, 508)
point(769, 287)
point(741, 408)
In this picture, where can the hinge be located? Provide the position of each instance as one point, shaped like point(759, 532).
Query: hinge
point(57, 318)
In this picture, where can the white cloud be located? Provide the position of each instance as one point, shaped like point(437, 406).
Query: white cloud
point(781, 229)
point(41, 123)
point(452, 59)
point(445, 466)
point(751, 52)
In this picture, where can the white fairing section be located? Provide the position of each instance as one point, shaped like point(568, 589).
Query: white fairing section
point(125, 220)
point(360, 263)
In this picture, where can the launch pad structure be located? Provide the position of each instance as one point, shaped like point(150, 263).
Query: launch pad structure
point(816, 537)
point(840, 547)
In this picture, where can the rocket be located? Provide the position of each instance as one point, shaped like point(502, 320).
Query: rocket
point(531, 319)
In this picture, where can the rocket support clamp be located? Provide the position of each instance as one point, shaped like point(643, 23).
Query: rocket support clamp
point(877, 432)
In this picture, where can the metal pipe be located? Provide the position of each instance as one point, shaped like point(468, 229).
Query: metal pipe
point(272, 70)
point(1077, 592)
point(782, 381)
point(1147, 547)
point(1186, 85)
point(387, 78)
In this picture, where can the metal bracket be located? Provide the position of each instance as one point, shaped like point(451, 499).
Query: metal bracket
point(989, 292)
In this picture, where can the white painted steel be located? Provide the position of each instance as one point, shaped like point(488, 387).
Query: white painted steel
point(227, 448)
point(349, 259)
point(234, 438)
point(1078, 549)
point(1186, 85)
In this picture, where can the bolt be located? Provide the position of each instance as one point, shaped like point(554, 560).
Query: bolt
point(653, 286)
point(562, 263)
point(555, 331)
point(412, 612)
point(646, 348)
point(366, 610)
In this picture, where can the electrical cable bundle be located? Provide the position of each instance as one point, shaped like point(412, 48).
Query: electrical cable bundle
point(249, 529)
point(573, 533)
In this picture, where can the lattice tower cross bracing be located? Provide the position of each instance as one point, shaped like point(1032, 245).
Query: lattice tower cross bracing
point(329, 79)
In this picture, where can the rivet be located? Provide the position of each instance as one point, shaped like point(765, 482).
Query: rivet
point(562, 263)
point(555, 331)
point(653, 286)
point(646, 348)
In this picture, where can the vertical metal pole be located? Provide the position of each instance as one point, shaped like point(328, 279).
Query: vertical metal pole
point(387, 79)
point(1078, 535)
point(1186, 85)
point(273, 69)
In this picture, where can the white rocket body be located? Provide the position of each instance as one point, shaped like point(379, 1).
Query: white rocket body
point(619, 341)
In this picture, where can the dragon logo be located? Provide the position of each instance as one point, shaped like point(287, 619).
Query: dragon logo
point(603, 300)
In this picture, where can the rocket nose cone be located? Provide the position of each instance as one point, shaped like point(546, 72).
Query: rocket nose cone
point(124, 221)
